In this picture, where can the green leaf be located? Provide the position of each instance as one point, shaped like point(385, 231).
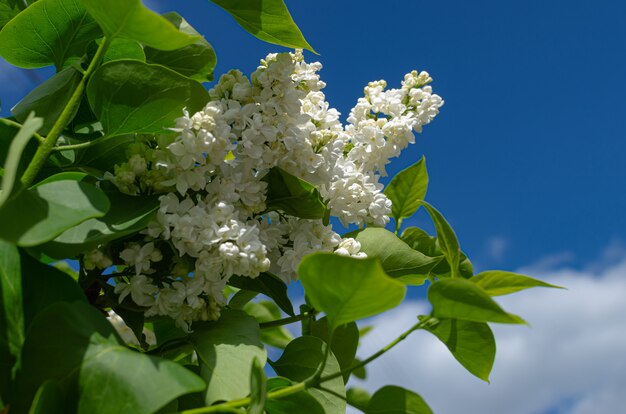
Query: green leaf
point(127, 215)
point(38, 215)
point(129, 96)
point(8, 10)
point(92, 362)
point(49, 399)
point(396, 400)
point(471, 343)
point(107, 152)
point(300, 361)
point(447, 239)
point(358, 397)
point(293, 196)
point(348, 289)
point(49, 99)
point(241, 299)
point(268, 20)
point(226, 350)
point(14, 155)
point(301, 402)
point(398, 259)
point(258, 389)
point(195, 61)
point(344, 344)
point(48, 33)
point(498, 282)
point(406, 190)
point(266, 311)
point(462, 299)
point(131, 20)
point(11, 315)
point(421, 241)
point(267, 284)
point(121, 48)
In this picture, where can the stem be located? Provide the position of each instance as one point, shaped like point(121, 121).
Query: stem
point(286, 321)
point(79, 146)
point(390, 345)
point(48, 144)
point(9, 122)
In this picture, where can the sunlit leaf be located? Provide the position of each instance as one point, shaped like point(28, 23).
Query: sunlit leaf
point(498, 282)
point(396, 400)
point(293, 196)
point(406, 189)
point(447, 239)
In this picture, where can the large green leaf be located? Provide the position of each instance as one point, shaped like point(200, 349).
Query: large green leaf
point(396, 400)
point(266, 311)
point(226, 350)
point(8, 10)
point(301, 402)
point(131, 20)
point(423, 242)
point(268, 20)
point(344, 343)
point(129, 96)
point(406, 190)
point(49, 399)
point(462, 299)
point(348, 289)
point(49, 99)
point(471, 343)
point(447, 239)
point(106, 153)
point(48, 33)
point(293, 196)
point(301, 359)
point(398, 259)
point(121, 48)
point(11, 315)
point(195, 61)
point(92, 364)
point(12, 166)
point(38, 215)
point(267, 284)
point(127, 215)
point(498, 282)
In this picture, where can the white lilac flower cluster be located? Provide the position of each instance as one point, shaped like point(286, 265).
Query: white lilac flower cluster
point(213, 203)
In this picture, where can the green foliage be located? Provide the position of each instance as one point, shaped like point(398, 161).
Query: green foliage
point(498, 282)
point(11, 314)
point(396, 400)
point(266, 311)
point(129, 96)
point(344, 343)
point(398, 259)
point(267, 284)
point(48, 399)
point(348, 289)
point(131, 20)
point(227, 349)
point(258, 389)
point(269, 20)
point(471, 343)
point(448, 242)
point(406, 190)
point(49, 32)
point(292, 195)
point(300, 402)
point(462, 299)
point(121, 48)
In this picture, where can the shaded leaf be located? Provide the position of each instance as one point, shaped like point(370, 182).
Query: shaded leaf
point(397, 258)
point(195, 61)
point(265, 311)
point(258, 389)
point(132, 20)
point(129, 96)
point(121, 48)
point(406, 189)
point(49, 399)
point(91, 361)
point(293, 196)
point(40, 214)
point(358, 397)
point(344, 344)
point(48, 33)
point(396, 400)
point(48, 99)
point(301, 359)
point(498, 282)
point(348, 289)
point(267, 284)
point(462, 299)
point(301, 402)
point(471, 343)
point(226, 350)
point(268, 20)
point(8, 10)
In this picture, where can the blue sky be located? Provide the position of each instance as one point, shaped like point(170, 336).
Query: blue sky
point(525, 160)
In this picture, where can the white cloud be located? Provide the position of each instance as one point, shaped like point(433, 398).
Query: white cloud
point(571, 360)
point(496, 247)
